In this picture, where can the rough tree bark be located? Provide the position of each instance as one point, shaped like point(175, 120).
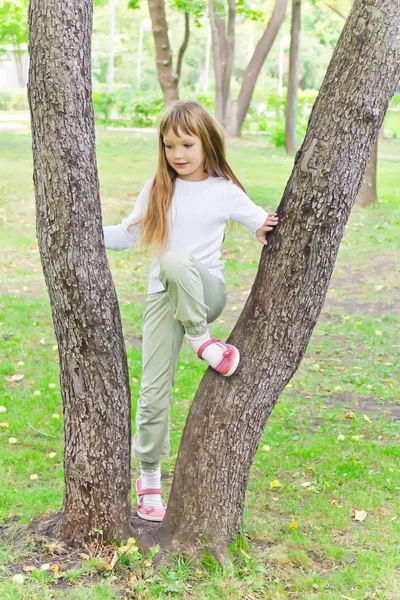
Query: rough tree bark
point(293, 83)
point(367, 194)
point(167, 78)
point(227, 417)
point(237, 109)
point(93, 367)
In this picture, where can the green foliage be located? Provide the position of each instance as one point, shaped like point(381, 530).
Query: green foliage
point(243, 8)
point(270, 116)
point(14, 99)
point(13, 24)
point(126, 107)
point(134, 4)
point(5, 100)
point(196, 9)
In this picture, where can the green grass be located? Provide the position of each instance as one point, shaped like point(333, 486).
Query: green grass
point(301, 541)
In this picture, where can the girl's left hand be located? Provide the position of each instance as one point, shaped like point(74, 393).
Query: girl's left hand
point(269, 224)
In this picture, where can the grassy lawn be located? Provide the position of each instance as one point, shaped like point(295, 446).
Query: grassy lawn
point(301, 540)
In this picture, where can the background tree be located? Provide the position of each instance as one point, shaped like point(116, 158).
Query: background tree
point(294, 76)
point(232, 114)
point(168, 77)
point(93, 366)
point(237, 109)
point(227, 416)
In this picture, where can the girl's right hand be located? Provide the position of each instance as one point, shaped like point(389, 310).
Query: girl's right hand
point(269, 224)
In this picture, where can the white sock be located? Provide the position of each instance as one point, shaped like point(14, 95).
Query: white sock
point(212, 354)
point(151, 479)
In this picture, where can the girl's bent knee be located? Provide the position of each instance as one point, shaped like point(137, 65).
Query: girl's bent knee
point(171, 261)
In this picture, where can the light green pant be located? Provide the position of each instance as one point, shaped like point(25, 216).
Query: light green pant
point(193, 298)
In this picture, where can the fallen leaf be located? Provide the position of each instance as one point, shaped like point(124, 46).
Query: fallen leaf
point(51, 454)
point(55, 568)
point(306, 484)
point(275, 499)
point(14, 378)
point(275, 483)
point(29, 569)
point(367, 418)
point(114, 560)
point(383, 511)
point(350, 415)
point(360, 515)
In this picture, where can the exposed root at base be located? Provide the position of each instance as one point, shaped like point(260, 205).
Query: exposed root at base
point(152, 535)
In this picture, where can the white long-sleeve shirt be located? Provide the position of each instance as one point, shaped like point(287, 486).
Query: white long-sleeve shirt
point(199, 213)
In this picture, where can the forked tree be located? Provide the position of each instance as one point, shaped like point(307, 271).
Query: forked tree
point(227, 417)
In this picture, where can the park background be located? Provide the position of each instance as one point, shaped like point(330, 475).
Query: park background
point(330, 449)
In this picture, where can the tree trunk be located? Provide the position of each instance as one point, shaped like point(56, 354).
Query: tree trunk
point(228, 415)
point(239, 107)
point(223, 54)
point(168, 80)
point(19, 66)
point(183, 47)
point(367, 193)
point(93, 366)
point(293, 84)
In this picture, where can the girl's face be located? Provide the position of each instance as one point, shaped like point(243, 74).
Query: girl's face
point(185, 155)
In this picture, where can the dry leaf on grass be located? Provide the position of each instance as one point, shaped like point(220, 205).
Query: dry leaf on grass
point(14, 378)
point(359, 515)
point(275, 484)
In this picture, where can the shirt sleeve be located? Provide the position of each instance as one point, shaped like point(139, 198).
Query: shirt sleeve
point(119, 237)
point(243, 210)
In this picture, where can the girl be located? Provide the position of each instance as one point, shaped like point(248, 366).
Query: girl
point(181, 213)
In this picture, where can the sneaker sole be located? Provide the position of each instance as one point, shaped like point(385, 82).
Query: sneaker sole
point(234, 366)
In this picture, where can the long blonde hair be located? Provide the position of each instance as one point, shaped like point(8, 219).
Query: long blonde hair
point(193, 119)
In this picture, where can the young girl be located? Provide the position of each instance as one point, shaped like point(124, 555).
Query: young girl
point(181, 213)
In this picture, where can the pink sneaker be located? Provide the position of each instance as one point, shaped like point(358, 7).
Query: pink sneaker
point(149, 513)
point(230, 357)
